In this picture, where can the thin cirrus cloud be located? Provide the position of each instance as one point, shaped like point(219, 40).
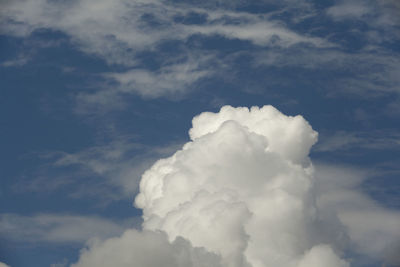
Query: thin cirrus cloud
point(245, 192)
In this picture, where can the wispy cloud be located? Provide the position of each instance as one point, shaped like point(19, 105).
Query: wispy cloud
point(339, 189)
point(349, 10)
point(174, 79)
point(369, 72)
point(19, 61)
point(60, 228)
point(116, 31)
point(345, 141)
point(381, 16)
point(107, 172)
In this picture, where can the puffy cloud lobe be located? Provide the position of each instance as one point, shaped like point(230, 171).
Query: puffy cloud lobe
point(3, 265)
point(322, 255)
point(290, 136)
point(242, 188)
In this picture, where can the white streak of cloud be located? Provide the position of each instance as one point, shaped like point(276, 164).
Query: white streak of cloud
point(106, 172)
point(58, 228)
point(117, 31)
point(349, 9)
point(110, 28)
point(169, 80)
point(367, 73)
point(344, 141)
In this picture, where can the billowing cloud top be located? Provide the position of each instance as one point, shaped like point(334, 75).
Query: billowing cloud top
point(291, 137)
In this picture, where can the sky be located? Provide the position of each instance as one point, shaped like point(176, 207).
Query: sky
point(199, 133)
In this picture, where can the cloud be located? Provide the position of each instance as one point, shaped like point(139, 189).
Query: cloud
point(63, 263)
point(19, 61)
point(170, 80)
point(381, 17)
point(59, 228)
point(150, 249)
point(349, 9)
point(243, 193)
point(112, 29)
point(373, 230)
point(369, 72)
point(119, 31)
point(106, 172)
point(344, 141)
point(3, 264)
point(322, 255)
point(242, 189)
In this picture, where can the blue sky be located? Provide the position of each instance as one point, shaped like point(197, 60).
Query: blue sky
point(94, 92)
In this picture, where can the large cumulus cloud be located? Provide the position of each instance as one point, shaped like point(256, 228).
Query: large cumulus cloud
point(241, 193)
point(242, 188)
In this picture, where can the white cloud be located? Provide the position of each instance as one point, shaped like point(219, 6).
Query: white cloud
point(373, 230)
point(344, 141)
point(111, 28)
point(63, 263)
point(349, 9)
point(369, 72)
point(169, 80)
point(150, 249)
point(59, 228)
point(19, 61)
point(322, 255)
point(3, 265)
point(243, 189)
point(381, 16)
point(117, 31)
point(107, 172)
